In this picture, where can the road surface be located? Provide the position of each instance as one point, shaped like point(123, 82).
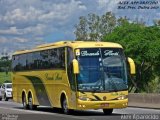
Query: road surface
point(10, 110)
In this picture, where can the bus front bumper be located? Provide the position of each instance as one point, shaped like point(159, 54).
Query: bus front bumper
point(82, 105)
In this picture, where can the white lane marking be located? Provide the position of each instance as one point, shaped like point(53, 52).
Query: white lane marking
point(39, 112)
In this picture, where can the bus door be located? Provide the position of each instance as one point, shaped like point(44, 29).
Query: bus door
point(71, 76)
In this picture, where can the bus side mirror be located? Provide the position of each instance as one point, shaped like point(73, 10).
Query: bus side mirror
point(131, 66)
point(75, 66)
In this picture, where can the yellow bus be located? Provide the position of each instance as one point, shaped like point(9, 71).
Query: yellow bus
point(72, 75)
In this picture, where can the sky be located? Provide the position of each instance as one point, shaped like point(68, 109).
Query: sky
point(25, 24)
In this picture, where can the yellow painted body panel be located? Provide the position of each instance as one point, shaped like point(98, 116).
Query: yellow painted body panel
point(54, 86)
point(132, 66)
point(110, 99)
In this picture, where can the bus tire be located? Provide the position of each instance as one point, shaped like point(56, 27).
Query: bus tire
point(65, 108)
point(24, 101)
point(107, 111)
point(30, 102)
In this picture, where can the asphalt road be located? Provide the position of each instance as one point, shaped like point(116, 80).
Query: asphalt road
point(13, 111)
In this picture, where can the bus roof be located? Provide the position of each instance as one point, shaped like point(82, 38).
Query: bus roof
point(73, 44)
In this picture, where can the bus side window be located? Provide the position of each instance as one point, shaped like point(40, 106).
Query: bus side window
point(29, 61)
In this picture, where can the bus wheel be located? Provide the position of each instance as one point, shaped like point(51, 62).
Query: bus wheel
point(107, 111)
point(30, 103)
point(24, 102)
point(65, 106)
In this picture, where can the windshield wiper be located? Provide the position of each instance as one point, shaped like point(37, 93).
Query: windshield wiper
point(96, 90)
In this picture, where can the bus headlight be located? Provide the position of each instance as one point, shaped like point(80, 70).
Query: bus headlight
point(122, 97)
point(84, 98)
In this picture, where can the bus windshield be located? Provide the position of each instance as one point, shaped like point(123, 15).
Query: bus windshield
point(101, 69)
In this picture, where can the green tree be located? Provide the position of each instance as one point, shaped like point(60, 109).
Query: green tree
point(108, 23)
point(5, 63)
point(81, 29)
point(93, 22)
point(94, 27)
point(143, 45)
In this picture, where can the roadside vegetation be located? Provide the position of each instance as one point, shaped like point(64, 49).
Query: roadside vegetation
point(5, 68)
point(5, 77)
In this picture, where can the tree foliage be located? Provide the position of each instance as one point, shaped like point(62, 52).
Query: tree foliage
point(94, 27)
point(5, 63)
point(81, 29)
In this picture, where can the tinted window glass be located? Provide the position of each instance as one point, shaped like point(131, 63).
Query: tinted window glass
point(29, 62)
point(57, 58)
point(36, 60)
point(46, 59)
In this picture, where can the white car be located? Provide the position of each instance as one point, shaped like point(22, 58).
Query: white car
point(6, 91)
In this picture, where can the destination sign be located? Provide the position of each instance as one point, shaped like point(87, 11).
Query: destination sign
point(86, 53)
point(97, 52)
point(110, 53)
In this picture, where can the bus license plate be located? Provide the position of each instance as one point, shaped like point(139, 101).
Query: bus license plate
point(105, 105)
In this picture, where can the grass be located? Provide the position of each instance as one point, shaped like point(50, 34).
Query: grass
point(5, 77)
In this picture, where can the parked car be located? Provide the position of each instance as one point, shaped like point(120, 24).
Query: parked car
point(0, 94)
point(6, 91)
